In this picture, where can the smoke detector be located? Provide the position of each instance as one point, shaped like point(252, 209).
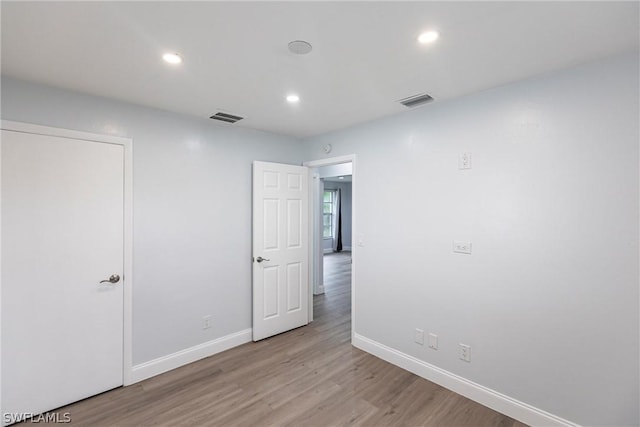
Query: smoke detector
point(300, 47)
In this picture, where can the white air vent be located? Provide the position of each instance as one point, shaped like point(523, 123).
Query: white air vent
point(415, 100)
point(224, 117)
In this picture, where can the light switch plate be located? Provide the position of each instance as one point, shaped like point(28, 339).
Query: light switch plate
point(462, 247)
point(418, 336)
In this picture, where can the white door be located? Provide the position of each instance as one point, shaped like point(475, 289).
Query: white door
point(280, 248)
point(62, 234)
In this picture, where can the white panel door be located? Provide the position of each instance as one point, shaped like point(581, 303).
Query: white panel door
point(62, 233)
point(280, 248)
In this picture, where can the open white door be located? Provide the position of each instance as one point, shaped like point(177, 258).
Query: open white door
point(280, 248)
point(62, 270)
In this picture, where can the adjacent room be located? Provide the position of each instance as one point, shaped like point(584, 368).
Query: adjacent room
point(309, 213)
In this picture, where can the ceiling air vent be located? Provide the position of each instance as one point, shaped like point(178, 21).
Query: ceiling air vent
point(224, 117)
point(415, 100)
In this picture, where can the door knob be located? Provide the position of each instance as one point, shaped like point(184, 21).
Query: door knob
point(113, 279)
point(260, 259)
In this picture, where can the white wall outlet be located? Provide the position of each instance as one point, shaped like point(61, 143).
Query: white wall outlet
point(465, 352)
point(461, 247)
point(418, 336)
point(206, 321)
point(361, 240)
point(464, 161)
point(433, 341)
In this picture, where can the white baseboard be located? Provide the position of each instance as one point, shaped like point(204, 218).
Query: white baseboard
point(497, 401)
point(172, 361)
point(330, 250)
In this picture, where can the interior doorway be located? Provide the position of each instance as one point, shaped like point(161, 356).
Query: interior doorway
point(336, 210)
point(333, 194)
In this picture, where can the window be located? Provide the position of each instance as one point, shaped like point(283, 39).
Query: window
point(327, 213)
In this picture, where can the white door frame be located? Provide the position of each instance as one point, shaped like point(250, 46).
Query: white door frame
point(315, 250)
point(127, 144)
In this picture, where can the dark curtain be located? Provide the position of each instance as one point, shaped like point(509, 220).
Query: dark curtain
point(338, 241)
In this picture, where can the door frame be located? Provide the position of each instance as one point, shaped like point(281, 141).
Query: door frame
point(127, 144)
point(315, 241)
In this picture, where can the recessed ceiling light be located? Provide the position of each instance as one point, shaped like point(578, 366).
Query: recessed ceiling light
point(428, 37)
point(172, 58)
point(341, 177)
point(293, 98)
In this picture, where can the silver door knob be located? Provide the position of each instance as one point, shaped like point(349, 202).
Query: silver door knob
point(260, 259)
point(113, 279)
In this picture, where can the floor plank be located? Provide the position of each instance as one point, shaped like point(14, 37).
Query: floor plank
point(310, 376)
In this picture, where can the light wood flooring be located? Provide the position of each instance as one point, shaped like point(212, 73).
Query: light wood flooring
point(310, 376)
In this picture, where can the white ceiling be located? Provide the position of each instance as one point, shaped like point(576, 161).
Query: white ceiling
point(365, 56)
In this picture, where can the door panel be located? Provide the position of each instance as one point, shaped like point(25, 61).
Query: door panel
point(294, 223)
point(270, 286)
point(294, 279)
point(280, 236)
point(271, 215)
point(62, 233)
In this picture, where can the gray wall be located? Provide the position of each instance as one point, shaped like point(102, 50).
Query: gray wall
point(346, 210)
point(192, 210)
point(548, 300)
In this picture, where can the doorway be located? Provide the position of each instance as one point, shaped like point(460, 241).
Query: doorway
point(337, 269)
point(336, 218)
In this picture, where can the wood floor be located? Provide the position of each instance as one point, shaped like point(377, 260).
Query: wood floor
point(310, 376)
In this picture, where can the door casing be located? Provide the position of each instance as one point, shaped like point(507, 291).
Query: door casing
point(127, 144)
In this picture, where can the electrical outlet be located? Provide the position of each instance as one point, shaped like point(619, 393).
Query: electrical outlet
point(462, 247)
point(206, 321)
point(465, 352)
point(433, 341)
point(418, 336)
point(464, 161)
